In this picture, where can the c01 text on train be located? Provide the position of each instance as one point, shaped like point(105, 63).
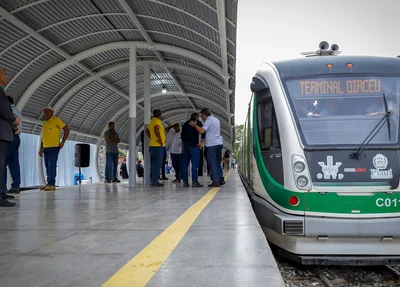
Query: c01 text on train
point(320, 157)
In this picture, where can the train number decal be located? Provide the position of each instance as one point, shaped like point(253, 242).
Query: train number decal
point(388, 202)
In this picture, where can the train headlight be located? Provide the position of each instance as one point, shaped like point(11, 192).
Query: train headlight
point(300, 172)
point(299, 166)
point(302, 181)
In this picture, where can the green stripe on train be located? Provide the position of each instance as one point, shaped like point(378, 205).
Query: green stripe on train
point(316, 202)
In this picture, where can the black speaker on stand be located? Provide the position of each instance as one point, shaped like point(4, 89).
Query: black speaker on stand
point(82, 157)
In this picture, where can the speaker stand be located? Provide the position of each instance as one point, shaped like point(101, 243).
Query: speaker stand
point(80, 182)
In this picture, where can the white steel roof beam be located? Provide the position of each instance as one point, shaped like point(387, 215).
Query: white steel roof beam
point(19, 24)
point(154, 32)
point(116, 14)
point(215, 10)
point(144, 33)
point(108, 47)
point(26, 67)
point(222, 36)
point(224, 54)
point(81, 85)
point(193, 16)
point(125, 14)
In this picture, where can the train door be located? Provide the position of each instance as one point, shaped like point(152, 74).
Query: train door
point(269, 135)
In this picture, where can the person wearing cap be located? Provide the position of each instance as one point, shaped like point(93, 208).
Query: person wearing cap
point(50, 145)
point(155, 132)
point(7, 120)
point(214, 145)
point(12, 159)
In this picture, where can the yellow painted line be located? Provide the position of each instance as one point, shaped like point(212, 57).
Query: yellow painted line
point(145, 264)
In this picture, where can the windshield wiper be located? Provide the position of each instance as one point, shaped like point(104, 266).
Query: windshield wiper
point(387, 115)
point(357, 153)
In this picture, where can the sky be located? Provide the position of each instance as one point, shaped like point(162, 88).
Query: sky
point(273, 30)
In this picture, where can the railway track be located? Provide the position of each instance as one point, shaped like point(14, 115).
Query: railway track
point(296, 275)
point(394, 269)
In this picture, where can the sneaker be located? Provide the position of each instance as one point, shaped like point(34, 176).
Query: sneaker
point(186, 184)
point(176, 181)
point(43, 187)
point(5, 203)
point(221, 182)
point(4, 195)
point(196, 184)
point(214, 185)
point(116, 180)
point(50, 188)
point(164, 178)
point(107, 181)
point(14, 190)
point(157, 184)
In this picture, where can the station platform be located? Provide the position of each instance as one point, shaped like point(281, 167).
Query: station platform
point(110, 235)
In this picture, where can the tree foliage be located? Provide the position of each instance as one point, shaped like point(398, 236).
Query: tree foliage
point(238, 138)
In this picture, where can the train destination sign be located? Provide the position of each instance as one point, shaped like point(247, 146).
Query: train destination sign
point(340, 86)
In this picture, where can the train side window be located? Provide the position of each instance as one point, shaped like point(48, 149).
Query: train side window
point(265, 123)
point(268, 128)
point(276, 142)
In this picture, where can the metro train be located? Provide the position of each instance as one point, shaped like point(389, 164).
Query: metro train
point(320, 157)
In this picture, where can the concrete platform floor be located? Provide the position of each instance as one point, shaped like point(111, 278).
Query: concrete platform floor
point(83, 236)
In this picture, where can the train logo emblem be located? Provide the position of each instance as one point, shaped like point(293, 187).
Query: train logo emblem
point(380, 163)
point(329, 169)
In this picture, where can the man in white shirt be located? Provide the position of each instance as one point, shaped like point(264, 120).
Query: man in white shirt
point(214, 144)
point(174, 144)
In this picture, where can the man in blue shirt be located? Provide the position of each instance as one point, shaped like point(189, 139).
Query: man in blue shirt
point(214, 145)
point(191, 150)
point(12, 158)
point(7, 120)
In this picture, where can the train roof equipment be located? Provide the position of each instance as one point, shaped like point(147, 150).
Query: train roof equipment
point(324, 50)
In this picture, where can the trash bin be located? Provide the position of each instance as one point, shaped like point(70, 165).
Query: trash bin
point(76, 178)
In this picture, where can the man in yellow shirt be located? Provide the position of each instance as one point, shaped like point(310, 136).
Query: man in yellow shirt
point(155, 131)
point(51, 145)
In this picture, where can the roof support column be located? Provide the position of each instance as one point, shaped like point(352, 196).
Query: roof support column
point(146, 152)
point(228, 108)
point(224, 55)
point(132, 116)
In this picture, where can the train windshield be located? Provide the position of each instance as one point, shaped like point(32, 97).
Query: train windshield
point(335, 111)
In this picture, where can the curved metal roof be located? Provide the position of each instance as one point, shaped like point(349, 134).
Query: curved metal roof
point(74, 56)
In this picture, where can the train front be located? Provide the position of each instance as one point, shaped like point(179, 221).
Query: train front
point(345, 112)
